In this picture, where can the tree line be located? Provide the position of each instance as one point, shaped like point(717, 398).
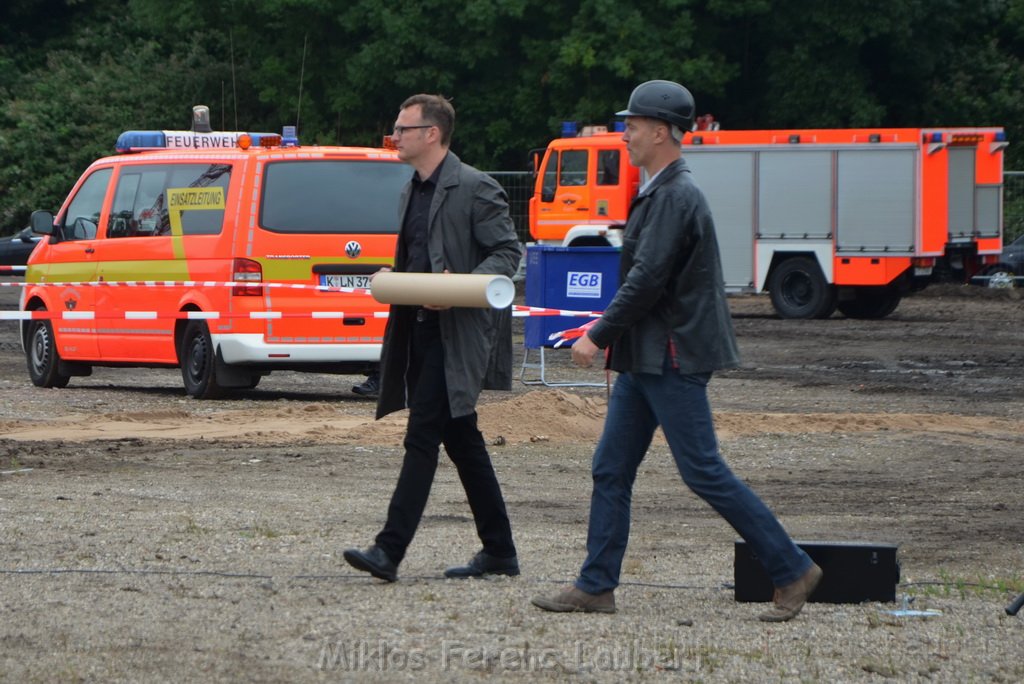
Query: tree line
point(74, 74)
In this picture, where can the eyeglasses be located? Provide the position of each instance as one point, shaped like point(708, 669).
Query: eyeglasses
point(399, 130)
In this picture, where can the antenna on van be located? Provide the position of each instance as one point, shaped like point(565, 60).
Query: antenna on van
point(234, 89)
point(302, 74)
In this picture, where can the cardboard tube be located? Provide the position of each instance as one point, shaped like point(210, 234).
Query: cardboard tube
point(478, 290)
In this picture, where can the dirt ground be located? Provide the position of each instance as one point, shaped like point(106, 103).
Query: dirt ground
point(145, 536)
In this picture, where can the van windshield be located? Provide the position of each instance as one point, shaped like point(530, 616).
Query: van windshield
point(332, 196)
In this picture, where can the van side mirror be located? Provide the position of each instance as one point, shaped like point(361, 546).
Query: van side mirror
point(41, 222)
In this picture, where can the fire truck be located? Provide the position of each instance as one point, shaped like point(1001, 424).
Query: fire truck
point(819, 219)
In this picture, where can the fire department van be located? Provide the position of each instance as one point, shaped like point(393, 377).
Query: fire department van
point(227, 255)
point(820, 219)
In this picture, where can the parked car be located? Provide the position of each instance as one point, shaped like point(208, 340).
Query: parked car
point(14, 249)
point(1009, 272)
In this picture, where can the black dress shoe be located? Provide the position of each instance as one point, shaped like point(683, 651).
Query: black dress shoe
point(374, 561)
point(370, 387)
point(482, 564)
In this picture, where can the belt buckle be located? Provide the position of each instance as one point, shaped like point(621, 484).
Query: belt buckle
point(421, 315)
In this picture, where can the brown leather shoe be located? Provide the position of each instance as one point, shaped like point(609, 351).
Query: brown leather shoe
point(790, 599)
point(573, 600)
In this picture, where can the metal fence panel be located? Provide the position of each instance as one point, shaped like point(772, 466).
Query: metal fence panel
point(1013, 205)
point(519, 186)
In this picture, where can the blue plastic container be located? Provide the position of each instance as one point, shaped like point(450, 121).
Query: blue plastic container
point(573, 278)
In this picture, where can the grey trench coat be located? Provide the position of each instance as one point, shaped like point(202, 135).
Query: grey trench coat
point(469, 231)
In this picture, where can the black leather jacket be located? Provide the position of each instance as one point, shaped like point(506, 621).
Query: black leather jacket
point(671, 297)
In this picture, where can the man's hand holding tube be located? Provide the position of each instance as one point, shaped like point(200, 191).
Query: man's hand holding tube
point(437, 307)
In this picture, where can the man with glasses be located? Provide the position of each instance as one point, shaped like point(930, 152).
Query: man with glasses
point(436, 360)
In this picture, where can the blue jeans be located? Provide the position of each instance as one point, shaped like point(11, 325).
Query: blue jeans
point(639, 403)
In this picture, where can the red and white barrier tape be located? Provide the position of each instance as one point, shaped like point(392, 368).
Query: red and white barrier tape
point(517, 311)
point(191, 283)
point(568, 337)
point(531, 311)
point(177, 315)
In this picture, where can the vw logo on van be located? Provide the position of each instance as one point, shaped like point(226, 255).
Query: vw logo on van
point(353, 249)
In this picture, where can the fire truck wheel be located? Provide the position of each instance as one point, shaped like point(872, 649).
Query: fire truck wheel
point(198, 362)
point(42, 356)
point(799, 290)
point(871, 302)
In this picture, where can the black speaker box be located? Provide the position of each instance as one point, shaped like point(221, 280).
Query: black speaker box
point(854, 572)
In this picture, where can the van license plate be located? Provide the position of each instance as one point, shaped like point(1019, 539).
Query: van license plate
point(331, 280)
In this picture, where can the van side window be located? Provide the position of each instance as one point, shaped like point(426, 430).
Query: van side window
point(140, 202)
point(574, 168)
point(607, 167)
point(122, 222)
point(200, 221)
point(83, 214)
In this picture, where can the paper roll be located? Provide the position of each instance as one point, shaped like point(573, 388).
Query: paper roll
point(478, 290)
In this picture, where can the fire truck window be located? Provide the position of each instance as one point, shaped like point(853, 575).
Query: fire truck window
point(550, 179)
point(607, 167)
point(332, 196)
point(574, 168)
point(83, 213)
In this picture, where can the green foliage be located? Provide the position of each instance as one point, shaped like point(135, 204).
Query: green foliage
point(68, 112)
point(74, 74)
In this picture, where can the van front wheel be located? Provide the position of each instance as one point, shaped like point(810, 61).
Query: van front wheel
point(42, 356)
point(198, 362)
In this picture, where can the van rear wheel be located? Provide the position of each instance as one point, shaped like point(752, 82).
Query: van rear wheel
point(199, 362)
point(42, 356)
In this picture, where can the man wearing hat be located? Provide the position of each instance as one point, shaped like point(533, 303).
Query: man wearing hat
point(667, 329)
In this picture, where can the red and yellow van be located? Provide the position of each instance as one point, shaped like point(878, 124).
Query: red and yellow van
point(223, 254)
